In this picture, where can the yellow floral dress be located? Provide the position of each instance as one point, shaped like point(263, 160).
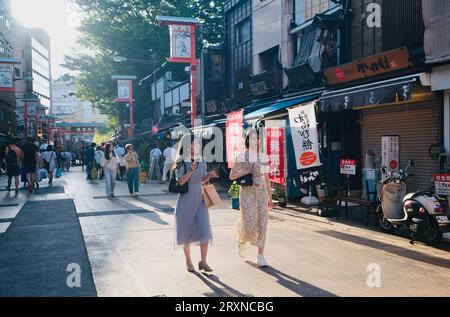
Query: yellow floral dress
point(254, 200)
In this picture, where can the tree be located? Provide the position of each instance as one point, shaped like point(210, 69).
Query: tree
point(127, 28)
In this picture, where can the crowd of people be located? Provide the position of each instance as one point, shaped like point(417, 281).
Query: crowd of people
point(29, 162)
point(114, 162)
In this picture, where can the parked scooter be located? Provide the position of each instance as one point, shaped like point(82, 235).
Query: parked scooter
point(420, 212)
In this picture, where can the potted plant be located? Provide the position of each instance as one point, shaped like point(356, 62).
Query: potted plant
point(280, 194)
point(144, 172)
point(234, 193)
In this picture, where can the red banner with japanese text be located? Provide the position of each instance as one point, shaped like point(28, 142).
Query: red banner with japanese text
point(234, 136)
point(275, 151)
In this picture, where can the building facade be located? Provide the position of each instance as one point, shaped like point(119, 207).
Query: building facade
point(238, 52)
point(7, 99)
point(436, 16)
point(69, 109)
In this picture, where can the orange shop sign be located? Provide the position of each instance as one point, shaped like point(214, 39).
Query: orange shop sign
point(387, 62)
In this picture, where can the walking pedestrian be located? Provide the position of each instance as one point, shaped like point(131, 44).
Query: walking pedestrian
point(98, 160)
point(109, 164)
point(81, 157)
point(132, 168)
point(120, 154)
point(89, 157)
point(169, 157)
point(191, 215)
point(13, 157)
point(50, 163)
point(155, 160)
point(30, 161)
point(255, 200)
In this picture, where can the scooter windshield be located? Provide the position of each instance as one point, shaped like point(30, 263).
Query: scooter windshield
point(392, 203)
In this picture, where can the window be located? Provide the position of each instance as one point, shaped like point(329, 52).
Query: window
point(243, 32)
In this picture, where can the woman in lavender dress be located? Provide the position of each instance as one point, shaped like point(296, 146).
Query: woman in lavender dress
point(191, 215)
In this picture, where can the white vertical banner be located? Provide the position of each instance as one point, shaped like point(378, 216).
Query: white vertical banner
point(390, 153)
point(304, 136)
point(123, 89)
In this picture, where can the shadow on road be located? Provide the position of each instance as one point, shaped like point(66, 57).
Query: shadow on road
point(393, 249)
point(218, 291)
point(295, 285)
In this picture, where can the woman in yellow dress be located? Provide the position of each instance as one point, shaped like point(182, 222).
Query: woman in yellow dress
point(255, 200)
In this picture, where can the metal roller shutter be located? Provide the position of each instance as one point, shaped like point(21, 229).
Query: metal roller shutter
point(418, 125)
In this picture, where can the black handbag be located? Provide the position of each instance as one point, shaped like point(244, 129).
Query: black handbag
point(246, 180)
point(174, 186)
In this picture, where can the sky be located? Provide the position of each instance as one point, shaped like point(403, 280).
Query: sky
point(56, 17)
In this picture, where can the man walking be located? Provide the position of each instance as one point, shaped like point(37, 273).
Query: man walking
point(169, 158)
point(13, 158)
point(120, 154)
point(89, 158)
point(155, 157)
point(29, 162)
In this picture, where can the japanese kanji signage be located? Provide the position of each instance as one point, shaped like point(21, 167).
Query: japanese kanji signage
point(371, 66)
point(123, 89)
point(275, 151)
point(6, 77)
point(304, 135)
point(390, 149)
point(180, 41)
point(348, 167)
point(442, 184)
point(234, 136)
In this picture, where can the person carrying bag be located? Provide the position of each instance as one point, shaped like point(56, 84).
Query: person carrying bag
point(210, 196)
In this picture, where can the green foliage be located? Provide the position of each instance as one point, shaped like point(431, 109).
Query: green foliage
point(234, 190)
point(144, 166)
point(127, 28)
point(280, 192)
point(142, 148)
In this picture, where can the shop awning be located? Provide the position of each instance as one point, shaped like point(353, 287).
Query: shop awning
point(382, 92)
point(281, 105)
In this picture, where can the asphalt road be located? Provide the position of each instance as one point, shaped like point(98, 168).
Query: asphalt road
point(130, 248)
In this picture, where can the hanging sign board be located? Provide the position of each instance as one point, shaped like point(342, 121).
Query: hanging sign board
point(234, 136)
point(275, 151)
point(348, 167)
point(181, 42)
point(123, 89)
point(304, 135)
point(6, 77)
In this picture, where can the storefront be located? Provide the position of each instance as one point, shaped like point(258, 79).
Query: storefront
point(400, 111)
point(277, 140)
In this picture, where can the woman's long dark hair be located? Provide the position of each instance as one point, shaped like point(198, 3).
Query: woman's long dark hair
point(108, 151)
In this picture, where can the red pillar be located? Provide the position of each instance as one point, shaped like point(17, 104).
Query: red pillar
point(131, 130)
point(194, 78)
point(59, 138)
point(25, 118)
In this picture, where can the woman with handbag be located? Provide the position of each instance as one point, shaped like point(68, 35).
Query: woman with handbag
point(191, 215)
point(250, 171)
point(50, 163)
point(109, 165)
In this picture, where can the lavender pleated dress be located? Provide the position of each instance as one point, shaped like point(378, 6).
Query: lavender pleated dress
point(192, 225)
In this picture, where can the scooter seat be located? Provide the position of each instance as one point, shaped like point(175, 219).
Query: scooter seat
point(417, 194)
